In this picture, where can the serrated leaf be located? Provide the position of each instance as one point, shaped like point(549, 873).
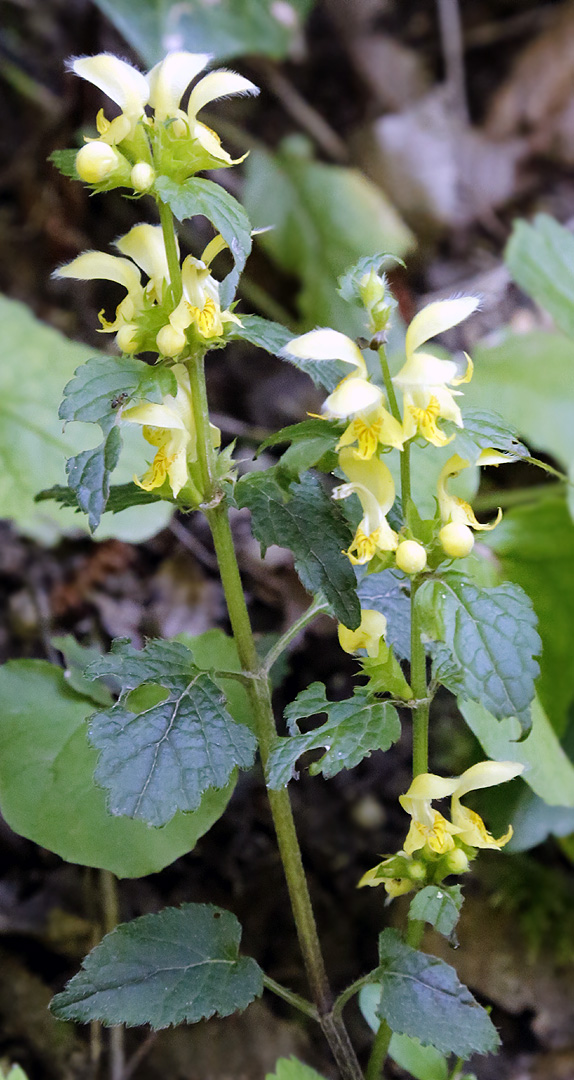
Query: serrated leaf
point(349, 282)
point(540, 258)
point(489, 641)
point(549, 771)
point(292, 1069)
point(324, 218)
point(438, 905)
point(121, 497)
point(385, 674)
point(47, 790)
point(228, 28)
point(199, 196)
point(486, 430)
point(89, 475)
point(179, 966)
point(162, 759)
point(354, 728)
point(65, 162)
point(33, 447)
point(386, 592)
point(216, 650)
point(312, 526)
point(310, 441)
point(423, 997)
point(422, 1062)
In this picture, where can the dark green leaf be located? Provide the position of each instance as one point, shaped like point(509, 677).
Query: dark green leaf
point(486, 431)
point(349, 282)
point(422, 1062)
point(228, 28)
point(65, 162)
point(354, 728)
point(423, 997)
point(179, 966)
point(214, 650)
point(89, 475)
point(386, 592)
point(438, 905)
point(121, 497)
point(76, 658)
point(47, 791)
point(312, 526)
point(199, 196)
point(310, 441)
point(385, 674)
point(490, 641)
point(540, 258)
point(291, 1069)
point(161, 760)
point(325, 218)
point(307, 429)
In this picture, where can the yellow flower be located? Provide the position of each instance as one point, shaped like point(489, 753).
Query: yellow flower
point(355, 396)
point(169, 427)
point(372, 482)
point(367, 636)
point(425, 379)
point(199, 305)
point(145, 246)
point(124, 84)
point(454, 510)
point(430, 829)
point(216, 85)
point(470, 826)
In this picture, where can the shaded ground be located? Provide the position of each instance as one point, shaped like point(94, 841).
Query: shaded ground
point(49, 912)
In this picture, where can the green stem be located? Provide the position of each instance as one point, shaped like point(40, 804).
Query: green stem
point(350, 992)
point(292, 998)
point(316, 608)
point(260, 694)
point(394, 406)
point(166, 220)
point(379, 1052)
point(419, 687)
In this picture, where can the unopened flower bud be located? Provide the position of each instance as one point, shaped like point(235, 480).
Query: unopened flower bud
point(411, 557)
point(456, 861)
point(417, 871)
point(170, 341)
point(142, 176)
point(457, 540)
point(372, 289)
point(127, 338)
point(96, 161)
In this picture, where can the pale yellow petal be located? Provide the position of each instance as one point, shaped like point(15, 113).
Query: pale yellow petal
point(169, 80)
point(154, 415)
point(487, 774)
point(145, 245)
point(326, 345)
point(351, 396)
point(216, 85)
point(123, 83)
point(94, 265)
point(437, 317)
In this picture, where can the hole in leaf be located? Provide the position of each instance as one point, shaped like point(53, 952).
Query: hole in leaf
point(146, 697)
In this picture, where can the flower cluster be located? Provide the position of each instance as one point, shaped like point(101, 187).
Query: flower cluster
point(373, 426)
point(153, 136)
point(436, 846)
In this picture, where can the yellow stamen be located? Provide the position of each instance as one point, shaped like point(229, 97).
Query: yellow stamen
point(425, 419)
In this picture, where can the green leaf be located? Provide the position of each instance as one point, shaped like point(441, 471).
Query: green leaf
point(273, 337)
point(38, 362)
point(490, 641)
point(549, 771)
point(529, 377)
point(386, 592)
point(199, 196)
point(179, 966)
point(312, 526)
point(422, 1062)
point(325, 218)
point(76, 658)
point(121, 497)
point(89, 476)
point(216, 650)
point(292, 1069)
point(228, 28)
point(162, 757)
point(540, 258)
point(385, 674)
point(423, 997)
point(486, 431)
point(310, 441)
point(533, 821)
point(438, 905)
point(534, 546)
point(354, 728)
point(65, 162)
point(350, 281)
point(47, 791)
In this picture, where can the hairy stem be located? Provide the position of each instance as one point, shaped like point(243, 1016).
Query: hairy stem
point(379, 1052)
point(420, 689)
point(289, 996)
point(169, 239)
point(314, 609)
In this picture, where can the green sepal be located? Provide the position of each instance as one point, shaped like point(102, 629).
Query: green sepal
point(385, 674)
